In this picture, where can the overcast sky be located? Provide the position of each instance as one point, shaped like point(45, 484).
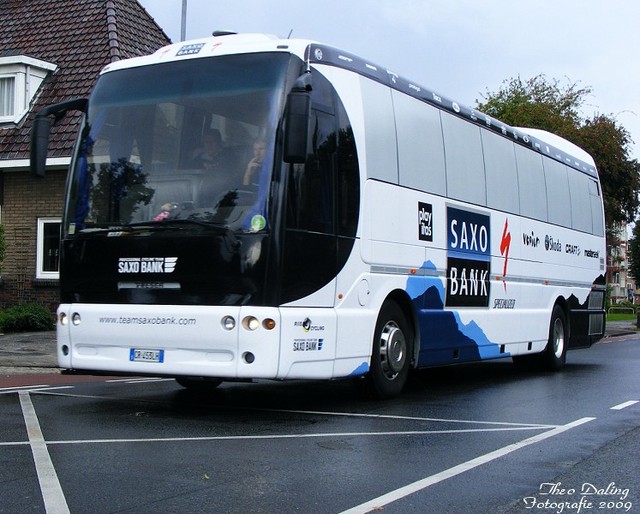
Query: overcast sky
point(459, 48)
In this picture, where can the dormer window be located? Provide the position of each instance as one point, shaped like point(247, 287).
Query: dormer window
point(20, 79)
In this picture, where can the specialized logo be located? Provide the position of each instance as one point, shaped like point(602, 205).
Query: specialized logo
point(505, 244)
point(147, 264)
point(469, 258)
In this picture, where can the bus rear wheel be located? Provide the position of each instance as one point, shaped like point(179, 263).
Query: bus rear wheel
point(390, 357)
point(555, 353)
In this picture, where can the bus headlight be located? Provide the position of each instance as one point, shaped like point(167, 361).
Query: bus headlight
point(228, 323)
point(63, 319)
point(75, 318)
point(251, 323)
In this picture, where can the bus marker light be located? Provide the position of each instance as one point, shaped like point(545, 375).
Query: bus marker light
point(249, 357)
point(75, 319)
point(269, 324)
point(65, 350)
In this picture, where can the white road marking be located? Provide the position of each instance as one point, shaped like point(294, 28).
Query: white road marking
point(406, 418)
point(380, 502)
point(30, 389)
point(624, 405)
point(54, 500)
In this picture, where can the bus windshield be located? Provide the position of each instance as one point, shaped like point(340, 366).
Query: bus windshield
point(183, 141)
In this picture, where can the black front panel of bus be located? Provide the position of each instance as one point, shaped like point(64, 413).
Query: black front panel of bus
point(165, 268)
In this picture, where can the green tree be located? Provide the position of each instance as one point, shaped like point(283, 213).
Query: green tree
point(548, 105)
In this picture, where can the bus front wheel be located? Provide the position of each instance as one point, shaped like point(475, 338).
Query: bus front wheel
point(199, 384)
point(390, 357)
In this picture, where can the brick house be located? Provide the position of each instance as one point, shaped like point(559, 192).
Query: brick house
point(51, 51)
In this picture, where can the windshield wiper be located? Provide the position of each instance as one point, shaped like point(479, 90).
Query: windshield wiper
point(218, 229)
point(133, 227)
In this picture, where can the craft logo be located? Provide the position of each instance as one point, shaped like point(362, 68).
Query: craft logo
point(468, 259)
point(425, 221)
point(147, 264)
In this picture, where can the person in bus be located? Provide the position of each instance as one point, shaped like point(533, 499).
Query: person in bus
point(209, 156)
point(251, 172)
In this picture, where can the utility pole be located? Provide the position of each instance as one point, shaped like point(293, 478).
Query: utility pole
point(183, 27)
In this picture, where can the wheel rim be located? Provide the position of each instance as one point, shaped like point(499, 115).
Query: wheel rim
point(393, 350)
point(558, 338)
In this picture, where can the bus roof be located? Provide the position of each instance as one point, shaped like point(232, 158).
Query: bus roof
point(544, 142)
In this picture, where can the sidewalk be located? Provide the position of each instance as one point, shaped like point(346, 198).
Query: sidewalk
point(28, 353)
point(35, 352)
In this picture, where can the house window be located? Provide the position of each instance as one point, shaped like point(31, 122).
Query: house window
point(48, 251)
point(20, 78)
point(7, 96)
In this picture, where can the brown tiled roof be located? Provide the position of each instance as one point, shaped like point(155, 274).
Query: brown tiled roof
point(80, 37)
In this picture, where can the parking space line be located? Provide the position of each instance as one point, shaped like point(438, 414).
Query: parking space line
point(407, 418)
point(284, 436)
point(17, 388)
point(624, 405)
point(380, 502)
point(33, 389)
point(54, 500)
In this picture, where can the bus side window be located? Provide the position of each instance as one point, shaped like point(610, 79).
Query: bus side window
point(559, 203)
point(464, 160)
point(596, 208)
point(580, 201)
point(533, 190)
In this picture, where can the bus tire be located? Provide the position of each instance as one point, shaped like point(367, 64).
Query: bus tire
point(199, 384)
point(555, 353)
point(391, 353)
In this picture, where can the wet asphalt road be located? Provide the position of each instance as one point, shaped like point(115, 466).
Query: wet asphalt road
point(479, 438)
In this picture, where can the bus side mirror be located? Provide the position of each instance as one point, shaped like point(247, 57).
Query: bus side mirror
point(42, 127)
point(298, 114)
point(39, 145)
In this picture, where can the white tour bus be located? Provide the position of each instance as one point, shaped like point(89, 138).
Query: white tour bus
point(243, 206)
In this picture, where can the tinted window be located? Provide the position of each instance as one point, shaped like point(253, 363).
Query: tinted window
point(380, 135)
point(596, 208)
point(533, 198)
point(420, 146)
point(555, 174)
point(580, 201)
point(463, 155)
point(500, 169)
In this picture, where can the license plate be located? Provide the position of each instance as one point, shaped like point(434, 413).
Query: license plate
point(146, 355)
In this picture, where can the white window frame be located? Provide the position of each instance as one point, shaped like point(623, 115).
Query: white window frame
point(10, 113)
point(40, 257)
point(28, 74)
